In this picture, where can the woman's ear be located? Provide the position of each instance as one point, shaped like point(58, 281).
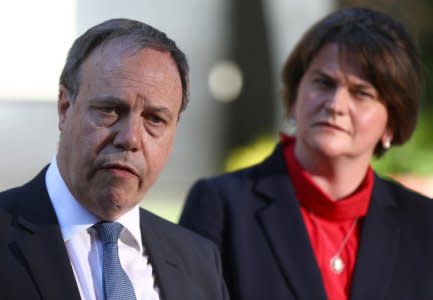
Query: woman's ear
point(386, 139)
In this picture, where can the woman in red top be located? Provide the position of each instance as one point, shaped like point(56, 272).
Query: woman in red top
point(313, 221)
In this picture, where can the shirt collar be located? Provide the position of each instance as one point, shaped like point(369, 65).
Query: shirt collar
point(74, 218)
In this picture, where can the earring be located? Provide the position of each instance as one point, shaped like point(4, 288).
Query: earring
point(289, 126)
point(386, 143)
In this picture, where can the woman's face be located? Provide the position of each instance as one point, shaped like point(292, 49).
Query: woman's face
point(337, 110)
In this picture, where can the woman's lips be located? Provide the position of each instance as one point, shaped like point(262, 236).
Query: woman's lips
point(330, 125)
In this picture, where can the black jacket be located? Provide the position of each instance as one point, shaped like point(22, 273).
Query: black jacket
point(254, 218)
point(35, 264)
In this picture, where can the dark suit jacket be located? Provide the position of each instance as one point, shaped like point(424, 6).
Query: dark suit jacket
point(254, 218)
point(35, 264)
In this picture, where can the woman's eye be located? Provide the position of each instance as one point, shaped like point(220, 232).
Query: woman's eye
point(322, 82)
point(364, 94)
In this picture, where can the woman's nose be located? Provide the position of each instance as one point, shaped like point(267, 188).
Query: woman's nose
point(337, 102)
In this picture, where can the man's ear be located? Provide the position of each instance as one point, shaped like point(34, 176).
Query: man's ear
point(63, 104)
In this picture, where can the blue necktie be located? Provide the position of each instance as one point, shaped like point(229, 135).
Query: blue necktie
point(117, 285)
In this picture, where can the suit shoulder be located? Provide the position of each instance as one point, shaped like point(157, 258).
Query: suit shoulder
point(237, 175)
point(272, 165)
point(406, 196)
point(229, 181)
point(9, 198)
point(174, 232)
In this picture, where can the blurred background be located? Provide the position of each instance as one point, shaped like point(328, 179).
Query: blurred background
point(236, 49)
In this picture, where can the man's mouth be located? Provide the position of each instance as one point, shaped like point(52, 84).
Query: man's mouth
point(120, 169)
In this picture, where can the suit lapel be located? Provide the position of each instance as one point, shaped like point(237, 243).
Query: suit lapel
point(40, 244)
point(283, 225)
point(379, 245)
point(165, 266)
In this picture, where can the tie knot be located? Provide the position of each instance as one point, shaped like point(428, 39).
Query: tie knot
point(108, 231)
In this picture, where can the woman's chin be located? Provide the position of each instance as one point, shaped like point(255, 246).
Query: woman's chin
point(330, 148)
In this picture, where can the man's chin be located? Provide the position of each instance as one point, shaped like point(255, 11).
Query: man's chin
point(113, 203)
point(112, 212)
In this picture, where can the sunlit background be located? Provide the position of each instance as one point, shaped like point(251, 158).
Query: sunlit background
point(236, 49)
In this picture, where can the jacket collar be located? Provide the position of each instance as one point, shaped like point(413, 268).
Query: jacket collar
point(282, 222)
point(379, 244)
point(39, 242)
point(165, 260)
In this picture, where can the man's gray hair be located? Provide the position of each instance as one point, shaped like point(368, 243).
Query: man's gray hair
point(136, 35)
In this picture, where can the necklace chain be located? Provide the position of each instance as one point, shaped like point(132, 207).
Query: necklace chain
point(336, 262)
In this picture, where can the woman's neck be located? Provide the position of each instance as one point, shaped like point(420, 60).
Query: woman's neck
point(338, 177)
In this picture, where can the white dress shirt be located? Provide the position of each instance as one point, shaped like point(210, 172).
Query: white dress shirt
point(85, 250)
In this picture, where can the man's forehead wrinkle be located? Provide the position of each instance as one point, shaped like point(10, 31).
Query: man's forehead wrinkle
point(126, 78)
point(119, 56)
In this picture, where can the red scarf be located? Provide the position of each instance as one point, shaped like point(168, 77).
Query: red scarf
point(329, 222)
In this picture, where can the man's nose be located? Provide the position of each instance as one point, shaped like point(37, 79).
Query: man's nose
point(128, 134)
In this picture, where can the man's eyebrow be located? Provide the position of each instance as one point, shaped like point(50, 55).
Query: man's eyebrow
point(160, 109)
point(107, 100)
point(112, 100)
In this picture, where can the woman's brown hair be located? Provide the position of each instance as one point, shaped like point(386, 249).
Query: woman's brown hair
point(387, 55)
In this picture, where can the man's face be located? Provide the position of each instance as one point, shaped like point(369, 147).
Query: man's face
point(117, 135)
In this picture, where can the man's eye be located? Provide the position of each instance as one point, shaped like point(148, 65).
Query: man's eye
point(105, 115)
point(108, 110)
point(155, 124)
point(155, 119)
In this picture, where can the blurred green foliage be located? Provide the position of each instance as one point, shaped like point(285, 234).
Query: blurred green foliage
point(169, 210)
point(245, 156)
point(414, 157)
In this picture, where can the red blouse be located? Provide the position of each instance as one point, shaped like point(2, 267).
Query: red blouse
point(331, 225)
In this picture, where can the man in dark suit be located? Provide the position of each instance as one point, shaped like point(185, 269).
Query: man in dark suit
point(121, 93)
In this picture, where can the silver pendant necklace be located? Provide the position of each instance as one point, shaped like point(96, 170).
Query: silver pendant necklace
point(336, 263)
